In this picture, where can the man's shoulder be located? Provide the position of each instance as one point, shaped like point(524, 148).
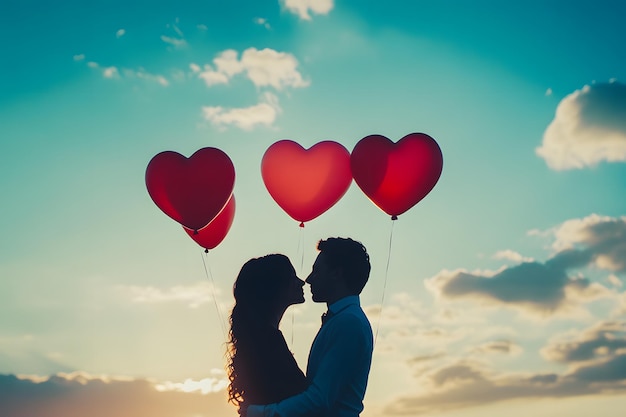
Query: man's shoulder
point(354, 310)
point(353, 318)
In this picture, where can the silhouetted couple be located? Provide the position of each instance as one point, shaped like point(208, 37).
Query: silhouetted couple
point(265, 380)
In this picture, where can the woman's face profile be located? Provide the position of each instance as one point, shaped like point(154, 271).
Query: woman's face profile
point(294, 292)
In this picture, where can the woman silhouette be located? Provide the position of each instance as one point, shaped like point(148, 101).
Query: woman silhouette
point(261, 368)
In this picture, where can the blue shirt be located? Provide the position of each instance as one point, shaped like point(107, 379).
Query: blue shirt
point(337, 369)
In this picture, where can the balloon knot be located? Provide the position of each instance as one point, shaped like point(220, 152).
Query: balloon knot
point(206, 250)
point(195, 232)
point(394, 217)
point(301, 224)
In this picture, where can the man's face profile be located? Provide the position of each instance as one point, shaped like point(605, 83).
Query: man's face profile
point(321, 279)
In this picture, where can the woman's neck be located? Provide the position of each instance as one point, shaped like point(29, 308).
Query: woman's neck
point(277, 317)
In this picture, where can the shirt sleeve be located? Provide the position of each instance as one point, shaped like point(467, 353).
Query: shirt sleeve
point(343, 354)
point(259, 410)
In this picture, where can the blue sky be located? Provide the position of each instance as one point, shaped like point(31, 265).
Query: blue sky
point(505, 283)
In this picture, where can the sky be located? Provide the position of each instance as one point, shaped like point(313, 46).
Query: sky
point(500, 292)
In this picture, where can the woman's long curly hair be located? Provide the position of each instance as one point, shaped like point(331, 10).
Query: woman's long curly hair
point(257, 290)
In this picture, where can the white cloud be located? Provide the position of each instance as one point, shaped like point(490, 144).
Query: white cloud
point(193, 296)
point(79, 57)
point(202, 27)
point(82, 394)
point(120, 33)
point(465, 384)
point(589, 127)
point(228, 63)
point(110, 72)
point(247, 118)
point(401, 312)
point(575, 231)
point(554, 286)
point(548, 92)
point(177, 29)
point(144, 75)
point(409, 326)
point(268, 67)
point(159, 79)
point(265, 68)
point(426, 358)
point(194, 67)
point(538, 233)
point(114, 72)
point(107, 72)
point(604, 236)
point(211, 77)
point(595, 361)
point(511, 256)
point(540, 289)
point(175, 42)
point(262, 22)
point(501, 346)
point(613, 279)
point(302, 7)
point(603, 339)
point(203, 386)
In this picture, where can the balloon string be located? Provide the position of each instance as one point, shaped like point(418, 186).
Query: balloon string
point(300, 251)
point(292, 327)
point(382, 300)
point(207, 271)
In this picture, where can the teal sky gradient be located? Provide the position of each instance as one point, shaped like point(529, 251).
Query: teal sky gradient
point(483, 78)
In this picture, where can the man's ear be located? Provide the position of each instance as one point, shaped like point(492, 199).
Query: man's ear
point(338, 275)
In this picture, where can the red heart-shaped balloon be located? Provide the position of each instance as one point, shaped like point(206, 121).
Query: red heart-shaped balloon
point(396, 176)
point(193, 190)
point(306, 183)
point(213, 233)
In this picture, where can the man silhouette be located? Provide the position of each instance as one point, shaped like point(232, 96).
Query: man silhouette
point(341, 353)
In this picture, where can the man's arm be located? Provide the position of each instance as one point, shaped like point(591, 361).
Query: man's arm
point(345, 353)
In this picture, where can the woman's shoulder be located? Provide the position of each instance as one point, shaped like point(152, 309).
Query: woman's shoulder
point(263, 340)
point(274, 371)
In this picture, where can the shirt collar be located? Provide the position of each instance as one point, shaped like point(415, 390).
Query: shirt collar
point(343, 303)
